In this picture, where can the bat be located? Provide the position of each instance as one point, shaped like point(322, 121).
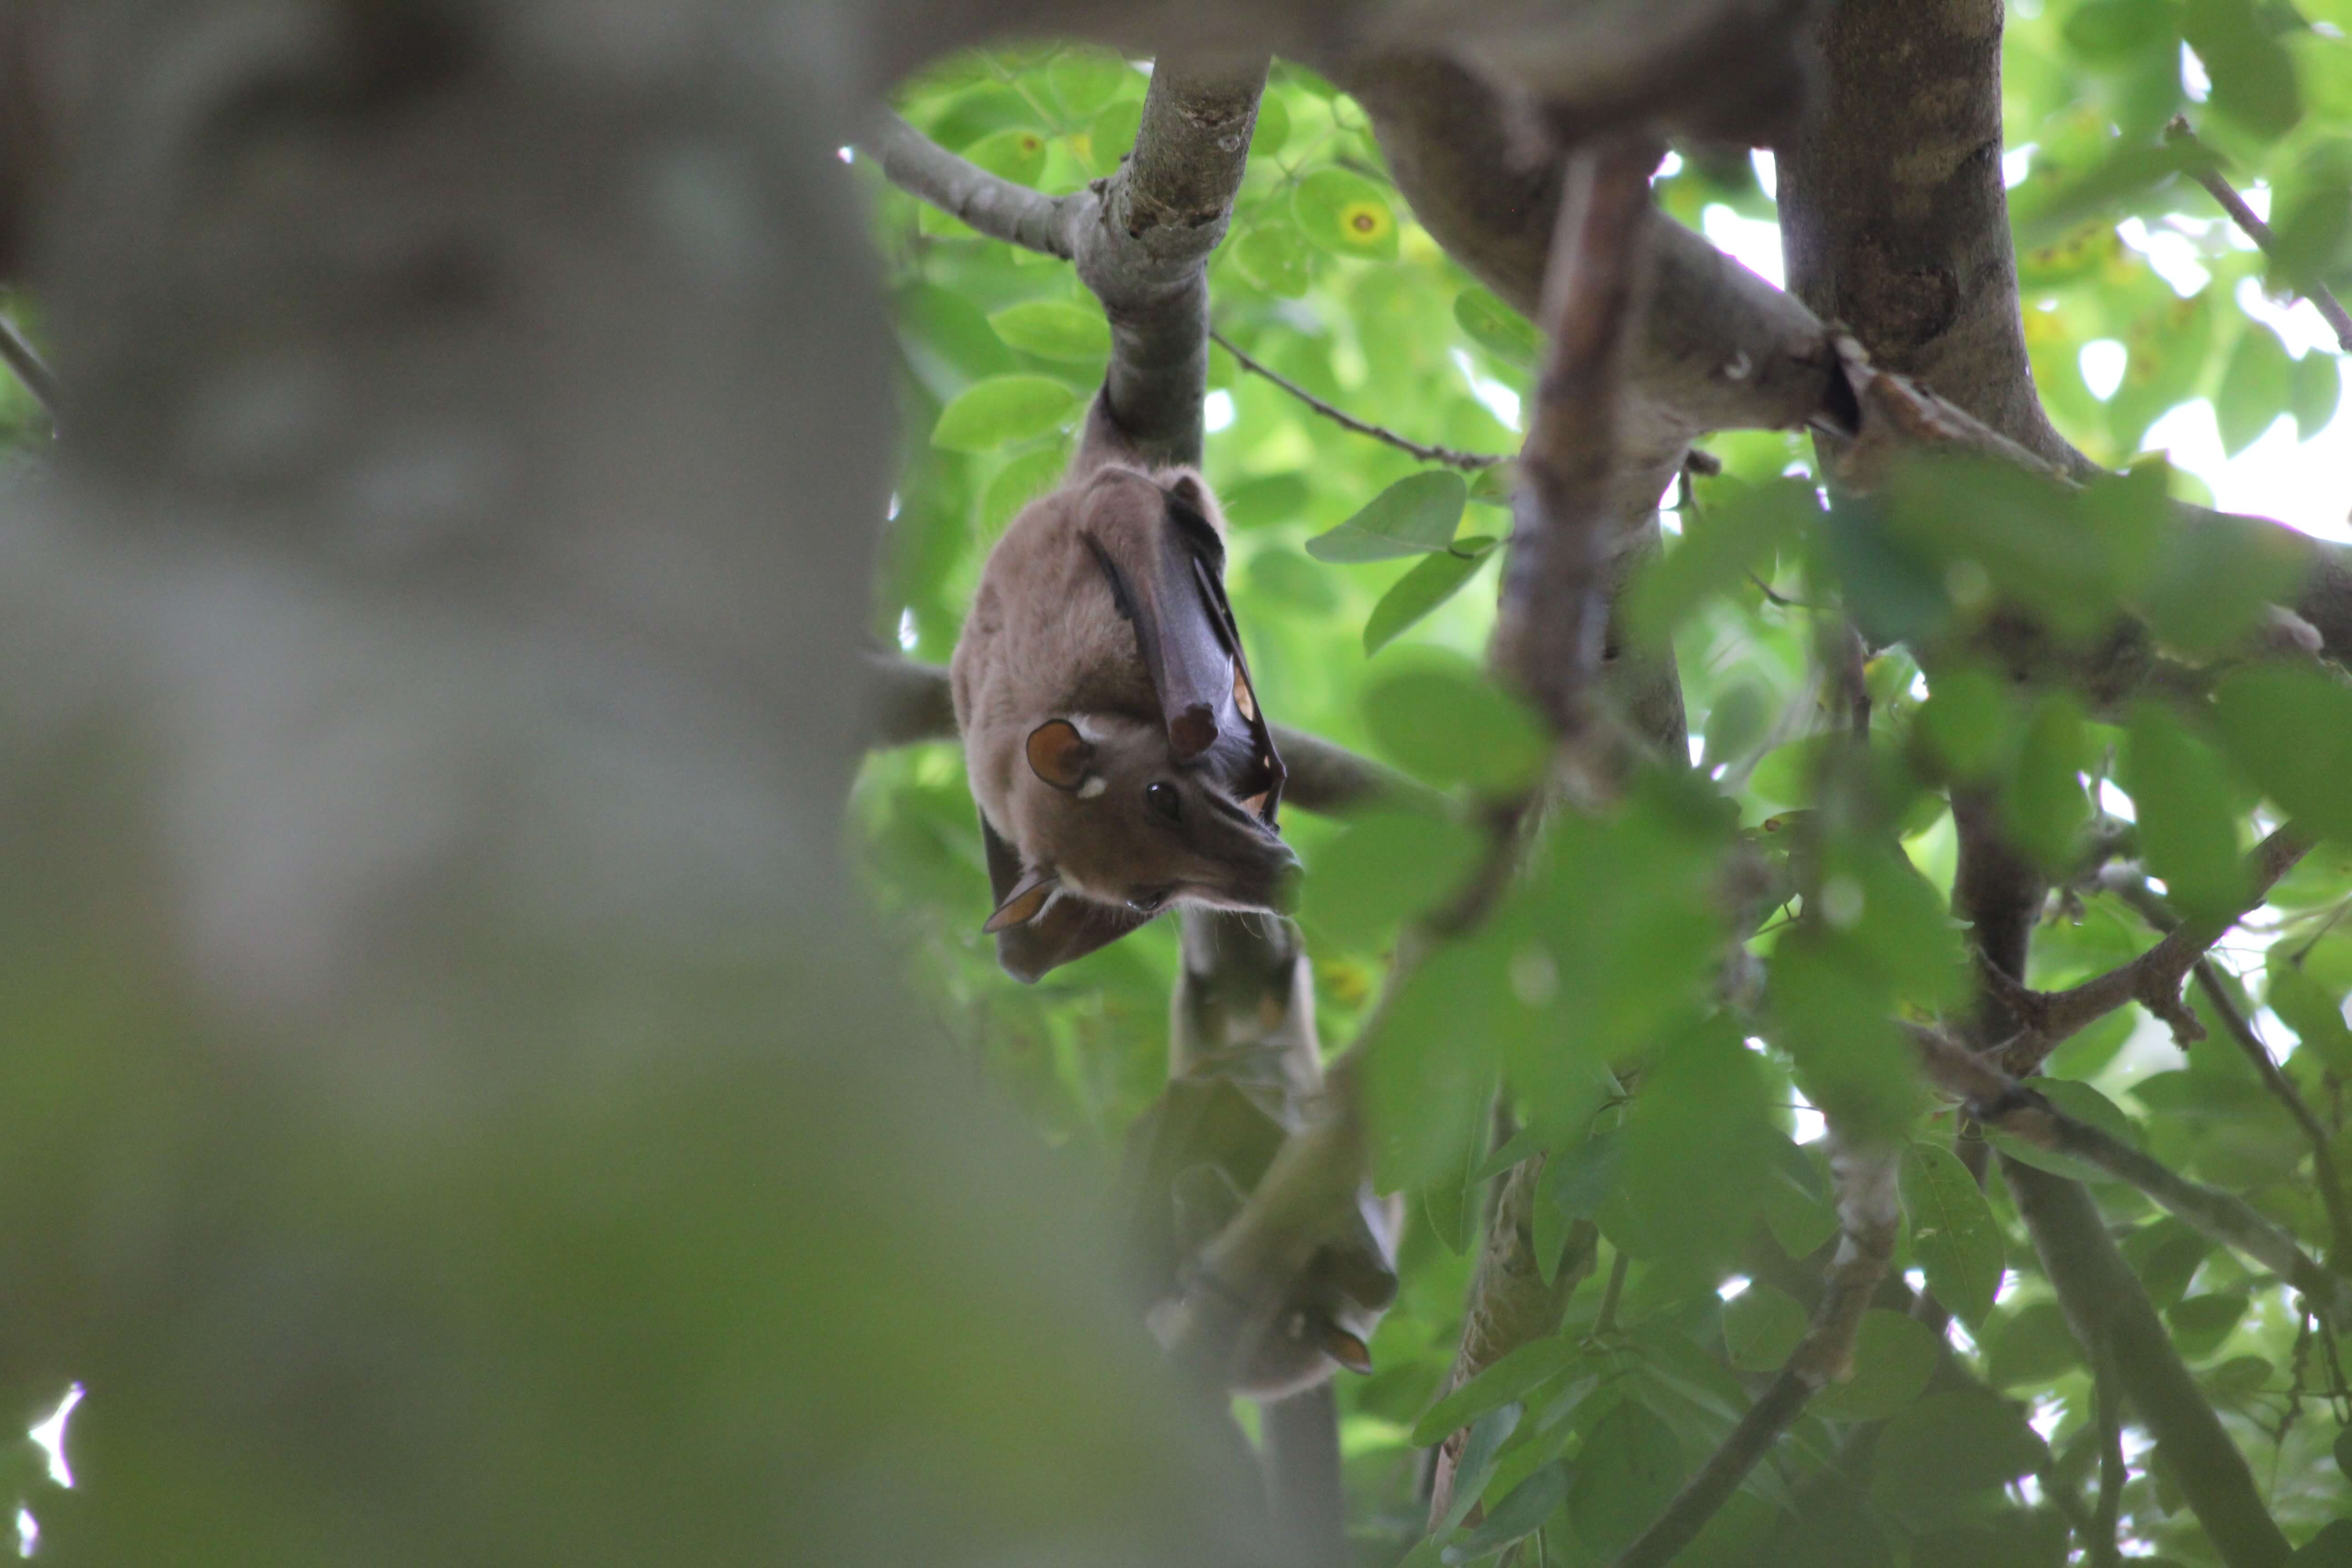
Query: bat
point(1111, 733)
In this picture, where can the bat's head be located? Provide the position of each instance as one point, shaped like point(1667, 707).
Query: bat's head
point(1105, 811)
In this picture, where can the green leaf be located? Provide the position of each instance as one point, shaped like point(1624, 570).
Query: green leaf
point(2086, 1105)
point(1496, 328)
point(1523, 1370)
point(1384, 866)
point(1698, 1131)
point(1624, 1476)
point(2200, 1323)
point(1737, 724)
point(1345, 214)
point(1054, 329)
point(1760, 1326)
point(1970, 719)
point(2043, 806)
point(1893, 1355)
point(2343, 1451)
point(949, 343)
point(2291, 729)
point(2213, 579)
point(1430, 584)
point(2032, 1346)
point(1736, 535)
point(1112, 136)
point(2253, 77)
point(2317, 385)
point(1018, 483)
point(1953, 1232)
point(1003, 410)
point(1951, 1443)
point(1016, 153)
point(1275, 256)
point(1449, 724)
point(2188, 820)
point(2257, 387)
point(1578, 1181)
point(2332, 1547)
point(1083, 79)
point(2313, 1010)
point(1475, 1467)
point(1797, 1206)
point(1414, 516)
point(2104, 32)
point(1272, 132)
point(1517, 1517)
point(1267, 502)
point(1451, 1201)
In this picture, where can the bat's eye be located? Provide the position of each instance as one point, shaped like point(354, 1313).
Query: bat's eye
point(1162, 798)
point(1148, 902)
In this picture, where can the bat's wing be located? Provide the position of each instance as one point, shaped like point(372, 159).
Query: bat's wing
point(1069, 928)
point(1166, 568)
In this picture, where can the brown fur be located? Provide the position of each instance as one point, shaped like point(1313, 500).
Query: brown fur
point(1045, 640)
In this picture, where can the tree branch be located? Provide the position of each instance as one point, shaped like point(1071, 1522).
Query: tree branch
point(1447, 456)
point(2209, 174)
point(2112, 1316)
point(1869, 1214)
point(994, 205)
point(2130, 884)
point(2153, 979)
point(2000, 1101)
point(2101, 1548)
point(21, 357)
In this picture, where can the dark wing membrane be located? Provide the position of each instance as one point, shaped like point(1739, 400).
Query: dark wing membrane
point(1262, 773)
point(1149, 554)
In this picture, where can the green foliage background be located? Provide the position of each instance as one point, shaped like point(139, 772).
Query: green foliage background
point(1598, 971)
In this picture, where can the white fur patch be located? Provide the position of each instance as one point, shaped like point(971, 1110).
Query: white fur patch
point(1093, 787)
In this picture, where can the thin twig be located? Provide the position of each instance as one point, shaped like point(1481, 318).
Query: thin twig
point(2103, 1551)
point(21, 357)
point(995, 206)
point(2000, 1101)
point(1606, 1321)
point(2208, 175)
point(1470, 462)
point(2153, 979)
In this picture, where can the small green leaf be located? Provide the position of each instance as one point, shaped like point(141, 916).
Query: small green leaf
point(2317, 385)
point(1760, 1326)
point(1893, 1355)
point(2043, 806)
point(1735, 536)
point(1003, 410)
point(1275, 256)
point(1016, 153)
point(2257, 387)
point(1018, 483)
point(1797, 1206)
point(1054, 329)
point(1578, 1181)
point(1385, 865)
point(1085, 78)
point(1449, 724)
point(1970, 719)
point(1475, 1467)
point(2033, 1345)
point(2187, 824)
point(1626, 1473)
point(1451, 1201)
point(1272, 132)
point(1523, 1370)
point(1737, 724)
point(2253, 75)
point(1517, 1517)
point(1414, 516)
point(1496, 328)
point(1346, 214)
point(1953, 1232)
point(2291, 730)
point(2311, 1010)
point(1430, 584)
point(2200, 1323)
point(1948, 1443)
point(1112, 135)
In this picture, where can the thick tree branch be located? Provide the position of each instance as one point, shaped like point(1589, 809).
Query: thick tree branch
point(2209, 174)
point(2153, 979)
point(2112, 1316)
point(1446, 456)
point(1869, 1214)
point(2000, 1102)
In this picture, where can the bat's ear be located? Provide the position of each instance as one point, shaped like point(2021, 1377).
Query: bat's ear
point(1024, 904)
point(1059, 754)
point(1347, 1349)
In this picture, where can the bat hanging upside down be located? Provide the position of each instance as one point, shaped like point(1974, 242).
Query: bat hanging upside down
point(1110, 730)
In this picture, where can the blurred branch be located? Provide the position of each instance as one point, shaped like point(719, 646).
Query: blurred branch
point(2000, 1101)
point(2102, 1549)
point(23, 359)
point(913, 703)
point(2130, 884)
point(2208, 174)
point(2153, 979)
point(1869, 1215)
point(2112, 1317)
point(1446, 456)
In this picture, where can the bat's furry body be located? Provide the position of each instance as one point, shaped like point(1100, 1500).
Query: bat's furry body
point(1110, 732)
